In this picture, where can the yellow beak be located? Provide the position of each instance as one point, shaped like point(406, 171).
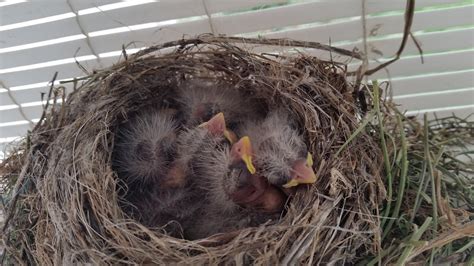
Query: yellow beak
point(303, 173)
point(230, 136)
point(246, 154)
point(309, 159)
point(291, 183)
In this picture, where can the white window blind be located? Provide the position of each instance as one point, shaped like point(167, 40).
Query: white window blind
point(40, 37)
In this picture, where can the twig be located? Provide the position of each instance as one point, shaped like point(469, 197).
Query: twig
point(12, 98)
point(409, 13)
point(209, 18)
point(43, 115)
point(365, 62)
point(418, 46)
point(277, 42)
point(81, 28)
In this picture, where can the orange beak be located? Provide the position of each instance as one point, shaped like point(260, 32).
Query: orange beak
point(216, 126)
point(303, 173)
point(242, 150)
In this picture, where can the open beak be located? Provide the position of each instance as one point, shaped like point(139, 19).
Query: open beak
point(216, 126)
point(303, 172)
point(242, 150)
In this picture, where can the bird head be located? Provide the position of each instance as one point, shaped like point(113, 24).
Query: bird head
point(242, 185)
point(241, 151)
point(302, 172)
point(216, 126)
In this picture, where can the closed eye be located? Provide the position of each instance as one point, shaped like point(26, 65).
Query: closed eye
point(143, 151)
point(166, 151)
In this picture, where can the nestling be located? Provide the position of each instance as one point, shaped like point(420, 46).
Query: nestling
point(190, 144)
point(145, 146)
point(279, 150)
point(223, 173)
point(144, 149)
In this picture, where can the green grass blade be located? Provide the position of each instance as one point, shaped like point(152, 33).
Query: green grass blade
point(403, 176)
point(388, 168)
point(362, 126)
point(415, 237)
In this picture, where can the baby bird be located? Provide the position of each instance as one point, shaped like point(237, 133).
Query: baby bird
point(230, 175)
point(200, 100)
point(145, 146)
point(143, 151)
point(279, 150)
point(211, 133)
point(225, 174)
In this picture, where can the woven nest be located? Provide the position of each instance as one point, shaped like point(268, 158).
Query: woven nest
point(68, 207)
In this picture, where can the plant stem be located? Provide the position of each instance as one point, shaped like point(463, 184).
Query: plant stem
point(388, 168)
point(364, 123)
point(433, 183)
point(403, 175)
point(415, 237)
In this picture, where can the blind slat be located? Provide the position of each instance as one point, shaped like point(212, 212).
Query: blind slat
point(12, 131)
point(229, 24)
point(11, 115)
point(150, 12)
point(437, 101)
point(28, 96)
point(41, 32)
point(306, 13)
point(410, 66)
point(65, 71)
point(83, 4)
point(430, 42)
point(164, 10)
point(44, 54)
point(36, 9)
point(352, 30)
point(148, 37)
point(433, 83)
point(155, 12)
point(464, 113)
point(32, 10)
point(343, 31)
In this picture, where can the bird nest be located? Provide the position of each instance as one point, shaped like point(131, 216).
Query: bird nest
point(66, 207)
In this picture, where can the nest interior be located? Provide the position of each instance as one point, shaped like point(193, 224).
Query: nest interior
point(69, 205)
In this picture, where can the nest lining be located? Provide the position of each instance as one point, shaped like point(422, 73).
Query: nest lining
point(70, 209)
